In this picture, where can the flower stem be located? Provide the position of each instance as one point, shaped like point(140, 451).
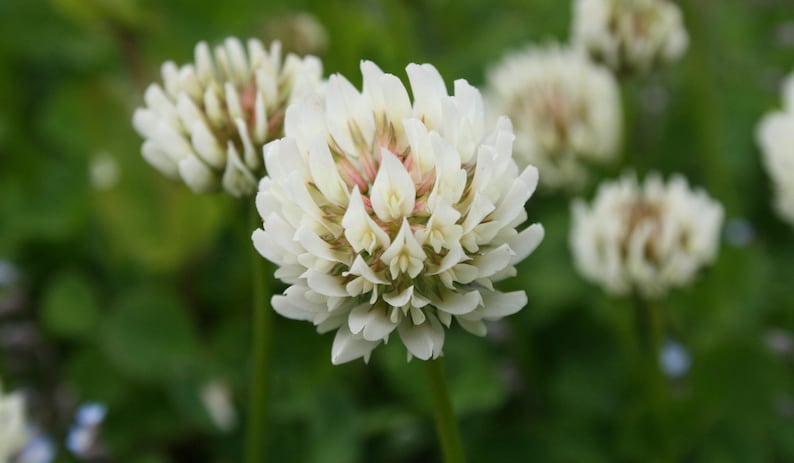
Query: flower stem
point(256, 437)
point(651, 331)
point(446, 425)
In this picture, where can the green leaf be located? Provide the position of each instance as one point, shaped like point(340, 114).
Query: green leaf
point(70, 309)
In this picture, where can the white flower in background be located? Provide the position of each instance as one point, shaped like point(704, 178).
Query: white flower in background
point(775, 135)
point(103, 171)
point(386, 215)
point(646, 237)
point(209, 120)
point(13, 425)
point(300, 33)
point(566, 111)
point(217, 400)
point(630, 35)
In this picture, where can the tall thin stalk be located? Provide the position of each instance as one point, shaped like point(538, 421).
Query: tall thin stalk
point(446, 425)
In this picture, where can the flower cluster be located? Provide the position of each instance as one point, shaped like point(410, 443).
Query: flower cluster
point(565, 110)
point(13, 425)
point(384, 215)
point(209, 120)
point(630, 35)
point(775, 135)
point(646, 238)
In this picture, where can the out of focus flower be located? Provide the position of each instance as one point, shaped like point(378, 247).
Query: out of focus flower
point(386, 215)
point(208, 122)
point(39, 449)
point(217, 400)
point(299, 33)
point(646, 238)
point(630, 35)
point(13, 424)
point(103, 171)
point(775, 135)
point(82, 436)
point(565, 110)
point(674, 359)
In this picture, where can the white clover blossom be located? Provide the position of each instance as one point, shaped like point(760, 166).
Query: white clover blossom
point(566, 111)
point(775, 135)
point(13, 425)
point(645, 238)
point(386, 215)
point(630, 35)
point(210, 119)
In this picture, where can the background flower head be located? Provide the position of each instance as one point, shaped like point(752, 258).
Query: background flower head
point(775, 135)
point(647, 237)
point(566, 111)
point(385, 214)
point(13, 425)
point(630, 35)
point(207, 122)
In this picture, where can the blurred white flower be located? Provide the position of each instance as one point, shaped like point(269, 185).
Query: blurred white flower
point(646, 238)
point(566, 111)
point(386, 215)
point(300, 33)
point(13, 424)
point(216, 397)
point(103, 171)
point(209, 120)
point(630, 35)
point(775, 135)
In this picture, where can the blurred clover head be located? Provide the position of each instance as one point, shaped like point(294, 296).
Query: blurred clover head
point(385, 214)
point(208, 121)
point(647, 237)
point(565, 110)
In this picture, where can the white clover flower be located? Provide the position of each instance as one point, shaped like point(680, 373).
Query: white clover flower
point(630, 35)
point(645, 238)
point(13, 425)
point(386, 215)
point(775, 135)
point(209, 120)
point(565, 110)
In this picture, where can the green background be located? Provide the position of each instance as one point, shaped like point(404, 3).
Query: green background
point(138, 295)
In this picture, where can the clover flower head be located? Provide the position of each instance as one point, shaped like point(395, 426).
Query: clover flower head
point(386, 214)
point(13, 424)
point(565, 110)
point(208, 121)
point(645, 238)
point(630, 35)
point(775, 135)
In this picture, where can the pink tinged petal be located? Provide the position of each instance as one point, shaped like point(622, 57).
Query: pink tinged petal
point(526, 242)
point(404, 255)
point(360, 230)
point(158, 159)
point(393, 194)
point(428, 89)
point(497, 304)
point(347, 112)
point(456, 303)
point(400, 299)
point(325, 174)
point(197, 176)
point(348, 346)
point(325, 284)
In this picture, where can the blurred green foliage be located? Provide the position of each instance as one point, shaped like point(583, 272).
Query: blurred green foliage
point(138, 294)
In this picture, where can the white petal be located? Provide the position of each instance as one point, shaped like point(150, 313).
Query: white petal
point(497, 304)
point(197, 176)
point(325, 284)
point(348, 346)
point(428, 89)
point(325, 174)
point(526, 242)
point(393, 193)
point(360, 230)
point(456, 303)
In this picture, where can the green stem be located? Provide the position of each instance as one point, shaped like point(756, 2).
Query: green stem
point(651, 331)
point(446, 425)
point(257, 433)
